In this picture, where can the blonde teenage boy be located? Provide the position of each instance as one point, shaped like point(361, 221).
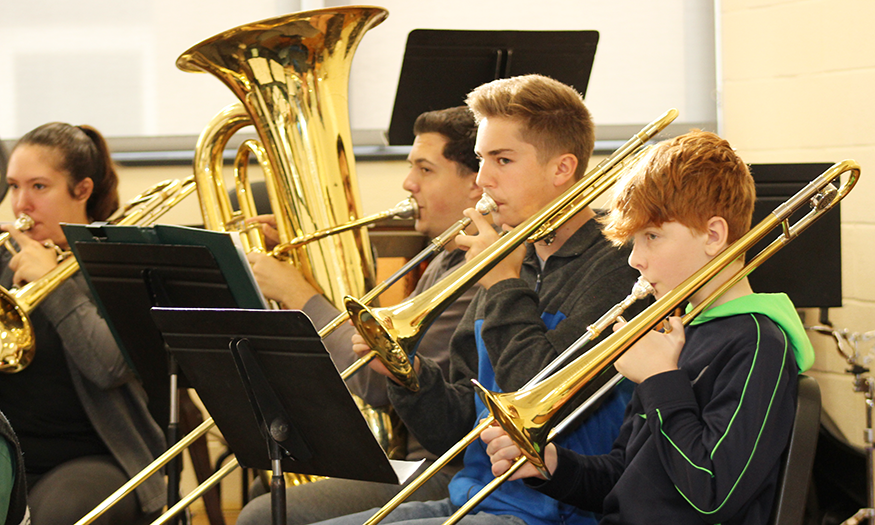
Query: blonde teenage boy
point(534, 139)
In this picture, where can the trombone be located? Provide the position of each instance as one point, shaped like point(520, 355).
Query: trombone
point(528, 415)
point(398, 329)
point(395, 363)
point(395, 356)
point(406, 209)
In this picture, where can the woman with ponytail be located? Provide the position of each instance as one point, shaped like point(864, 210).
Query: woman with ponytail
point(78, 410)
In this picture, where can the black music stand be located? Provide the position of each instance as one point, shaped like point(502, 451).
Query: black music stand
point(441, 66)
point(274, 392)
point(130, 269)
point(808, 270)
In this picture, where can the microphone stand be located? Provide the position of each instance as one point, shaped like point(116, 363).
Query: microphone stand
point(847, 344)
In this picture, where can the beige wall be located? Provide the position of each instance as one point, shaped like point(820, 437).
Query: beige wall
point(798, 77)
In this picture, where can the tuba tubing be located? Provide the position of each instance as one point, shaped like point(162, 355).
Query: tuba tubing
point(533, 426)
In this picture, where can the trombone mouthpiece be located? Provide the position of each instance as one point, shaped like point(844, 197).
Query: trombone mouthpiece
point(406, 209)
point(486, 205)
point(24, 222)
point(642, 289)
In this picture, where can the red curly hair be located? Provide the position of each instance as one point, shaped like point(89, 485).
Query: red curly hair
point(687, 179)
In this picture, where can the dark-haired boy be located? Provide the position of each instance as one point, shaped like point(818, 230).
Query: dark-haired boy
point(704, 432)
point(441, 178)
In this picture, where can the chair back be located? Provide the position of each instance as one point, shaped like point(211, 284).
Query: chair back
point(798, 458)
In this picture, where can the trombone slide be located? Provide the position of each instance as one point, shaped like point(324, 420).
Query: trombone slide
point(529, 423)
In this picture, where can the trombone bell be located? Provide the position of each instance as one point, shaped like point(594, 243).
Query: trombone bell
point(393, 355)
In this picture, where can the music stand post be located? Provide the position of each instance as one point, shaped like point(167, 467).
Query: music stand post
point(847, 344)
point(274, 392)
point(276, 427)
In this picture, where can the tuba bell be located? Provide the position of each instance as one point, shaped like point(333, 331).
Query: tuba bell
point(291, 75)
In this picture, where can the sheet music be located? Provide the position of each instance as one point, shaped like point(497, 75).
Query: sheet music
point(405, 469)
point(238, 244)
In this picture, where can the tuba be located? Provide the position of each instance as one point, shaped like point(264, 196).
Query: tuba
point(291, 75)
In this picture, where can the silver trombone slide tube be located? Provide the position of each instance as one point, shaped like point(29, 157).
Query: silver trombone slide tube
point(640, 290)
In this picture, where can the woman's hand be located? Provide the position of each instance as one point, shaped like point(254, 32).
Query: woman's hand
point(33, 260)
point(503, 453)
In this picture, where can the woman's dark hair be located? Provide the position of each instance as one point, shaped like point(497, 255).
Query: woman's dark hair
point(458, 126)
point(82, 153)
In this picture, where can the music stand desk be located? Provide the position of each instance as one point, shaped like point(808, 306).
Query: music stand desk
point(297, 369)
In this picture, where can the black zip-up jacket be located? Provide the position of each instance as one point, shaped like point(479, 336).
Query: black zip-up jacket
point(701, 444)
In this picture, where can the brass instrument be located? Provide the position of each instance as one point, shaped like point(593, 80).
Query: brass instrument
point(603, 176)
point(406, 326)
point(406, 209)
point(23, 223)
point(397, 330)
point(396, 361)
point(291, 76)
point(485, 206)
point(17, 340)
point(530, 415)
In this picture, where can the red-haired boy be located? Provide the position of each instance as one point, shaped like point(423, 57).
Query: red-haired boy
point(703, 434)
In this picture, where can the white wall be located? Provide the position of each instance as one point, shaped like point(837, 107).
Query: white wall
point(798, 80)
point(112, 64)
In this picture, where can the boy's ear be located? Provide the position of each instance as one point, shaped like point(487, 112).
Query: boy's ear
point(718, 235)
point(566, 165)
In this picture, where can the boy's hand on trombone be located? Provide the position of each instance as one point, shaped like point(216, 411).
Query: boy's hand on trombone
point(503, 452)
point(654, 353)
point(362, 349)
point(507, 268)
